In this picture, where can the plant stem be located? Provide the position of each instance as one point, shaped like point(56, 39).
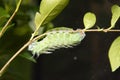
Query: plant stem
point(18, 52)
point(11, 59)
point(6, 25)
point(99, 30)
point(40, 36)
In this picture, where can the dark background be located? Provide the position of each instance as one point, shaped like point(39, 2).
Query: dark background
point(89, 60)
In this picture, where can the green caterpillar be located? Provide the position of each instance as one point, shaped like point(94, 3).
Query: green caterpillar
point(55, 39)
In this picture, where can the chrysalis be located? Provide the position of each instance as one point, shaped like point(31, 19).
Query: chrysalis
point(55, 39)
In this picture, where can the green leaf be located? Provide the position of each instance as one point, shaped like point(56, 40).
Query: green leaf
point(115, 15)
point(114, 54)
point(49, 9)
point(27, 56)
point(45, 28)
point(21, 30)
point(89, 20)
point(3, 14)
point(0, 28)
point(37, 19)
point(19, 69)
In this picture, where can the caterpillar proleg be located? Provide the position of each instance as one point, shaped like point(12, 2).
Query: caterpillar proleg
point(55, 39)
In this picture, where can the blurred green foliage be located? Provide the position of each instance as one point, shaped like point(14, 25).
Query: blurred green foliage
point(17, 34)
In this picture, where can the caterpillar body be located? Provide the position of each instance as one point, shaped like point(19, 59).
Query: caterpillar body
point(55, 39)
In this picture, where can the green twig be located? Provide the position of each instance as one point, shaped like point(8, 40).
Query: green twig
point(40, 36)
point(8, 22)
point(18, 52)
point(11, 59)
point(99, 30)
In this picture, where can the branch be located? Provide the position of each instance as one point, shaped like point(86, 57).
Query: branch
point(39, 37)
point(6, 25)
point(11, 59)
point(99, 30)
point(18, 52)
